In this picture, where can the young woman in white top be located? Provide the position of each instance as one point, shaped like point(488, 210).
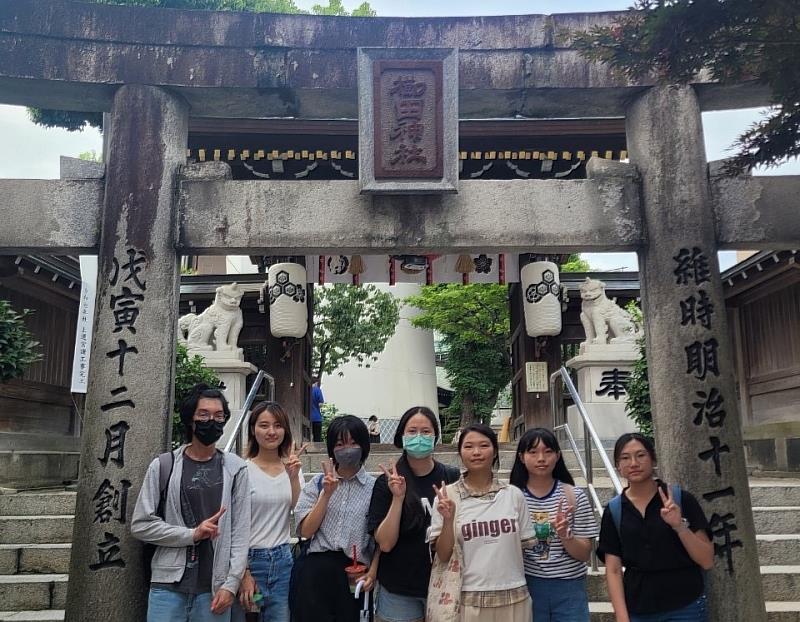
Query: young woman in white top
point(489, 521)
point(274, 472)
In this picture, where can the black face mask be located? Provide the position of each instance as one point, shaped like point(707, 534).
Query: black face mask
point(208, 432)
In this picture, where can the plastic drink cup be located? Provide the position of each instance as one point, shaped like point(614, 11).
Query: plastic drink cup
point(355, 572)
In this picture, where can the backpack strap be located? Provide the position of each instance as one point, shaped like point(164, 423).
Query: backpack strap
point(676, 495)
point(615, 507)
point(569, 493)
point(166, 463)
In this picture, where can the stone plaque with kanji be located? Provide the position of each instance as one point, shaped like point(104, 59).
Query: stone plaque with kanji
point(408, 120)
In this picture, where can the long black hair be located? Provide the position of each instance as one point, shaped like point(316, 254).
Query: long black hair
point(531, 440)
point(413, 516)
point(481, 428)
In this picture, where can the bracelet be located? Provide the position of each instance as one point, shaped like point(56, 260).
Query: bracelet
point(684, 526)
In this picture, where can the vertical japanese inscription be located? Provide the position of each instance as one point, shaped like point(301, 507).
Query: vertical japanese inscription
point(110, 502)
point(692, 269)
point(408, 119)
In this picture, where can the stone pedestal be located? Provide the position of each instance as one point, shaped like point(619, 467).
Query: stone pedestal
point(233, 372)
point(602, 376)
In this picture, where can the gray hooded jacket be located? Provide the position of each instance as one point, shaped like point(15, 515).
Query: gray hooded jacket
point(172, 536)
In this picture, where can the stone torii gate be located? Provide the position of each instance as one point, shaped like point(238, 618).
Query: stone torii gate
point(152, 69)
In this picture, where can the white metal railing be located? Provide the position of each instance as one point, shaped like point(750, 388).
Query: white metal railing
point(238, 436)
point(591, 440)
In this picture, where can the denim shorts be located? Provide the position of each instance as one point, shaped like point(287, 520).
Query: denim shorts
point(397, 608)
point(271, 569)
point(693, 612)
point(558, 600)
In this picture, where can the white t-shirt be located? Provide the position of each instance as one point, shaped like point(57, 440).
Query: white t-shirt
point(270, 506)
point(490, 530)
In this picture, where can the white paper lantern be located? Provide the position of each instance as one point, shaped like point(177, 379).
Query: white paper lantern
point(541, 289)
point(288, 312)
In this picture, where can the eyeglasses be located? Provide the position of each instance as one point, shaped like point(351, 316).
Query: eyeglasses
point(204, 416)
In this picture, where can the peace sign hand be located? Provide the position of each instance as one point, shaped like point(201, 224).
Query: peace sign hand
point(563, 521)
point(396, 483)
point(445, 506)
point(329, 481)
point(671, 512)
point(293, 464)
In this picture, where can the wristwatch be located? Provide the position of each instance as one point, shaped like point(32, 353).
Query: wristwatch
point(683, 526)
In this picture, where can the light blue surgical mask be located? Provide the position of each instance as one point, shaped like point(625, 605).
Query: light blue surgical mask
point(419, 445)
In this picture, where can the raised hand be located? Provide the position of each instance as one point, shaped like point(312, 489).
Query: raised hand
point(209, 527)
point(396, 483)
point(671, 512)
point(563, 521)
point(329, 481)
point(445, 505)
point(293, 463)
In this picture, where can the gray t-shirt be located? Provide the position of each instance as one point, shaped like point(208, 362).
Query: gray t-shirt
point(201, 497)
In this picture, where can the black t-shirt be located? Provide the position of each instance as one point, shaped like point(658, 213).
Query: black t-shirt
point(201, 497)
point(659, 574)
point(406, 569)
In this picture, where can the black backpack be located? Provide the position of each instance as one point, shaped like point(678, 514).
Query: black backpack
point(166, 462)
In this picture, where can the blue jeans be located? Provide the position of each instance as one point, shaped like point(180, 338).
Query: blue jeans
point(398, 608)
point(271, 568)
point(694, 612)
point(169, 606)
point(558, 600)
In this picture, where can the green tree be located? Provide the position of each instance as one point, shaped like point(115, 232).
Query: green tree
point(575, 263)
point(638, 388)
point(474, 325)
point(18, 349)
point(73, 121)
point(189, 371)
point(735, 40)
point(90, 156)
point(351, 324)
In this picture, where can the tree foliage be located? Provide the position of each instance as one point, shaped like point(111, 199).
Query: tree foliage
point(638, 388)
point(18, 349)
point(735, 40)
point(575, 263)
point(473, 321)
point(189, 371)
point(76, 121)
point(351, 324)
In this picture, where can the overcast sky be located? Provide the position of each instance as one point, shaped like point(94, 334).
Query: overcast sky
point(32, 152)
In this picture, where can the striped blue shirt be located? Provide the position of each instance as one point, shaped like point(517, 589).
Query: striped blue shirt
point(548, 558)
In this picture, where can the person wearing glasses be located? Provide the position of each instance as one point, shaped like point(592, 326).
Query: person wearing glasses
point(194, 506)
point(655, 542)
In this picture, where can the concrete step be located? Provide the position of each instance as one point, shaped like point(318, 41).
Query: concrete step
point(40, 503)
point(776, 550)
point(34, 558)
point(776, 612)
point(47, 615)
point(42, 529)
point(33, 469)
point(33, 592)
point(780, 584)
point(777, 520)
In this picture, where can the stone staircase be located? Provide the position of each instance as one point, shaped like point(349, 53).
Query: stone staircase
point(36, 530)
